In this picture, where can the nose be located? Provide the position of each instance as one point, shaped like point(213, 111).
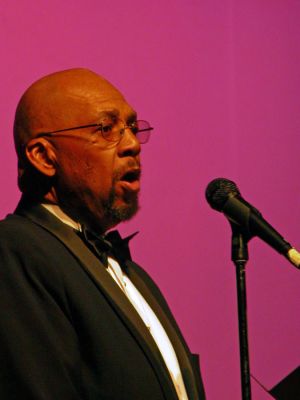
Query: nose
point(129, 145)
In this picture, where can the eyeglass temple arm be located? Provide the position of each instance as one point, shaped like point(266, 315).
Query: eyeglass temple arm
point(65, 130)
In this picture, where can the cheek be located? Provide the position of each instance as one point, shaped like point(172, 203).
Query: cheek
point(88, 168)
point(96, 172)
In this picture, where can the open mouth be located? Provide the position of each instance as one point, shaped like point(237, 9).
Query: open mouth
point(131, 176)
point(130, 180)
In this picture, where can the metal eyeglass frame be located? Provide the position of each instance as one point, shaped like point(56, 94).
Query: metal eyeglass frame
point(100, 125)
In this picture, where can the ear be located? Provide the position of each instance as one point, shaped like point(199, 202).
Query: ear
point(41, 155)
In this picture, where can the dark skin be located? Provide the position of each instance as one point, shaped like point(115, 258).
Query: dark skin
point(86, 174)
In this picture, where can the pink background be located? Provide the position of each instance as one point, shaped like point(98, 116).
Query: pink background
point(219, 81)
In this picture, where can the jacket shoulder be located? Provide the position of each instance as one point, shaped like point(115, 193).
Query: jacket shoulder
point(15, 224)
point(27, 246)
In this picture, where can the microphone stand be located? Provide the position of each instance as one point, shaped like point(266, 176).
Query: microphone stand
point(239, 255)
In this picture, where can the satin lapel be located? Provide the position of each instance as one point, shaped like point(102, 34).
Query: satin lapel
point(173, 333)
point(108, 287)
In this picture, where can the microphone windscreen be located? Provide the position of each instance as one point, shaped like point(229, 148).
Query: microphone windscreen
point(218, 191)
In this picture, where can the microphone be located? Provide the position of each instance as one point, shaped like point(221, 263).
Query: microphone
point(224, 196)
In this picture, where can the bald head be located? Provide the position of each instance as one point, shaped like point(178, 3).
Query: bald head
point(59, 101)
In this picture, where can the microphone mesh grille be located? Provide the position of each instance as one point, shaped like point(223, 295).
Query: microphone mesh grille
point(218, 191)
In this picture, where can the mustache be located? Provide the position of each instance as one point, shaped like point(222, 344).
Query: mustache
point(132, 167)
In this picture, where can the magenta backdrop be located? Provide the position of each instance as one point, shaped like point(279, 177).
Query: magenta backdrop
point(219, 80)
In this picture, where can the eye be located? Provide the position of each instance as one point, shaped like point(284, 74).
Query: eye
point(133, 126)
point(110, 129)
point(106, 127)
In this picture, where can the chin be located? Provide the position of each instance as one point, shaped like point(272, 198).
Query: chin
point(122, 213)
point(117, 212)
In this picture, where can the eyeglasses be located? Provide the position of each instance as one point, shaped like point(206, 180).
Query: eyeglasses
point(112, 129)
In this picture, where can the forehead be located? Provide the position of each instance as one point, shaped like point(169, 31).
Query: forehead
point(122, 111)
point(70, 97)
point(89, 106)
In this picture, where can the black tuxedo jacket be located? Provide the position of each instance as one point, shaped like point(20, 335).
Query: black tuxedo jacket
point(67, 332)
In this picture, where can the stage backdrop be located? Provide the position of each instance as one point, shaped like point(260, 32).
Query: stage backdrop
point(219, 81)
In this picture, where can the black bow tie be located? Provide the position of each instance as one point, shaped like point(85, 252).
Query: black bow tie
point(111, 245)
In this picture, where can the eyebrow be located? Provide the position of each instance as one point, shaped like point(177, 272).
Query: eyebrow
point(116, 113)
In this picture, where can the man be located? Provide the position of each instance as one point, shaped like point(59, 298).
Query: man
point(79, 319)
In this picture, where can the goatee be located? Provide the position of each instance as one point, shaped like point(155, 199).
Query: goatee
point(122, 213)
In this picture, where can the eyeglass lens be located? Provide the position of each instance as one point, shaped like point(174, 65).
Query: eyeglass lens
point(112, 129)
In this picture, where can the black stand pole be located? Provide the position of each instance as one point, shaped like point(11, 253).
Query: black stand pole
point(239, 256)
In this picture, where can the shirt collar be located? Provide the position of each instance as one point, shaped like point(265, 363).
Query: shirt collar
point(57, 211)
